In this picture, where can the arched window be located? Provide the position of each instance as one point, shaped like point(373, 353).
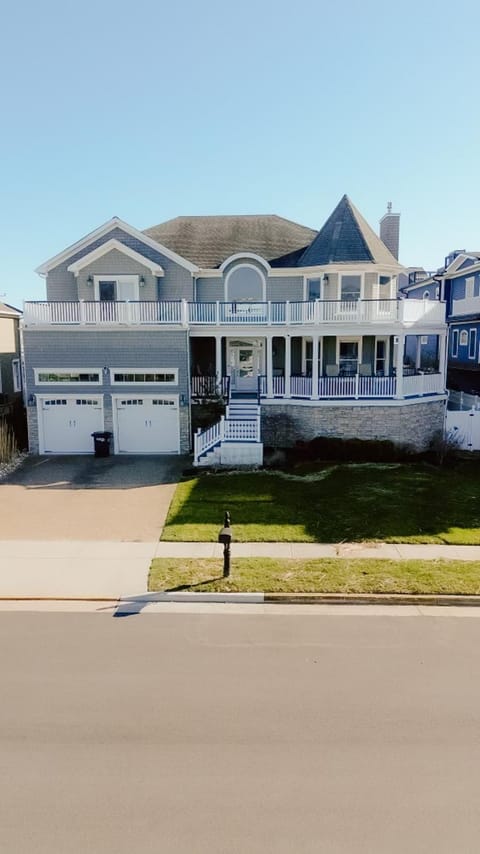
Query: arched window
point(245, 283)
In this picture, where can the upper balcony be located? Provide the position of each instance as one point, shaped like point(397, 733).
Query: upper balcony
point(243, 314)
point(469, 305)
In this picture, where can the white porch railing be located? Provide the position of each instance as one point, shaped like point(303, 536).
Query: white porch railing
point(209, 386)
point(241, 430)
point(246, 314)
point(355, 387)
point(422, 384)
point(225, 430)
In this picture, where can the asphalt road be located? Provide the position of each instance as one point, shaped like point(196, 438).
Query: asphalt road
point(214, 733)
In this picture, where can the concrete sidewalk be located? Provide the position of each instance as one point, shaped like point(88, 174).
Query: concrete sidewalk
point(106, 569)
point(76, 569)
point(321, 550)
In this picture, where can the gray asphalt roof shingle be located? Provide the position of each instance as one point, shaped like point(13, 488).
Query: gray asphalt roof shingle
point(208, 240)
point(346, 237)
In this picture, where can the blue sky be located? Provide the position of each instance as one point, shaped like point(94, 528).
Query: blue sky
point(150, 110)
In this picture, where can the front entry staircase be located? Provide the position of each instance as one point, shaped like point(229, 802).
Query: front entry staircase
point(235, 439)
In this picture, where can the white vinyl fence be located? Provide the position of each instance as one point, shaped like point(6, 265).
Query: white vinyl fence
point(464, 428)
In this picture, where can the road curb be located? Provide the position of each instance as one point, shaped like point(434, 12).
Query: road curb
point(369, 599)
point(264, 599)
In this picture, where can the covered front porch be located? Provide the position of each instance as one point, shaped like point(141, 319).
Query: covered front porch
point(319, 367)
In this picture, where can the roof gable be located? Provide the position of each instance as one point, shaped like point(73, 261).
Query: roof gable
point(346, 237)
point(102, 230)
point(9, 311)
point(109, 246)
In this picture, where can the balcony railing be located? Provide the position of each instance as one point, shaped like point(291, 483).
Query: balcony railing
point(251, 314)
point(469, 305)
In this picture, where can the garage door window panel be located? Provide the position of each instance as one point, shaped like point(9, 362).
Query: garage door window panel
point(81, 376)
point(152, 376)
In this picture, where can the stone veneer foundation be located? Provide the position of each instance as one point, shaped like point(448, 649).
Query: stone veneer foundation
point(408, 424)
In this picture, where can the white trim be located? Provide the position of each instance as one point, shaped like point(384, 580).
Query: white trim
point(349, 339)
point(250, 255)
point(359, 275)
point(109, 246)
point(75, 370)
point(455, 339)
point(386, 361)
point(16, 375)
point(115, 222)
point(142, 383)
point(239, 267)
point(117, 278)
point(351, 402)
point(458, 261)
point(469, 284)
point(472, 334)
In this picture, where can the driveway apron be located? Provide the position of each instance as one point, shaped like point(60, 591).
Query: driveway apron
point(83, 526)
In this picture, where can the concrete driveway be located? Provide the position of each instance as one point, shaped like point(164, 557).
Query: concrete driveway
point(119, 499)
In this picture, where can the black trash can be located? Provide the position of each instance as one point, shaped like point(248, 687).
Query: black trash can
point(101, 443)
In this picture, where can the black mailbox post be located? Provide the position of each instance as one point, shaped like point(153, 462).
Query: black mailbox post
point(225, 536)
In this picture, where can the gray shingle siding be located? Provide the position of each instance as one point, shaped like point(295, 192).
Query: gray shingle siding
point(278, 289)
point(84, 349)
point(115, 263)
point(125, 349)
point(283, 288)
point(177, 283)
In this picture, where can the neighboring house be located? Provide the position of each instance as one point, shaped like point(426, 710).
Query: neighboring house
point(301, 331)
point(457, 282)
point(10, 364)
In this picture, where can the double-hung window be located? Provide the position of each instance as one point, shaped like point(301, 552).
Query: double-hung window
point(454, 343)
point(472, 343)
point(351, 288)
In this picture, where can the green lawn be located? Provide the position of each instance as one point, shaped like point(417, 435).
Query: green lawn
point(317, 576)
point(350, 502)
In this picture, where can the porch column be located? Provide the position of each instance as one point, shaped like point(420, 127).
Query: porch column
point(442, 357)
point(399, 365)
point(418, 353)
point(269, 366)
point(315, 367)
point(218, 357)
point(288, 364)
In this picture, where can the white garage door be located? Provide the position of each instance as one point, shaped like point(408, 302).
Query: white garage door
point(147, 425)
point(68, 422)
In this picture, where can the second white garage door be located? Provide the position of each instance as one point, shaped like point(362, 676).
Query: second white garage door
point(147, 425)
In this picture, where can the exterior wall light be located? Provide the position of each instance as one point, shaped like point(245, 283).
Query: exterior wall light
point(142, 281)
point(325, 278)
point(90, 281)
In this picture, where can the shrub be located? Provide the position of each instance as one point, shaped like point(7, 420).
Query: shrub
point(8, 445)
point(350, 450)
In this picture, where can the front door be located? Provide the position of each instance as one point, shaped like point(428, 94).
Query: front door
point(244, 365)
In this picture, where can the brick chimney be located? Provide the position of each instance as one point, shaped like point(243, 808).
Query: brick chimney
point(390, 230)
